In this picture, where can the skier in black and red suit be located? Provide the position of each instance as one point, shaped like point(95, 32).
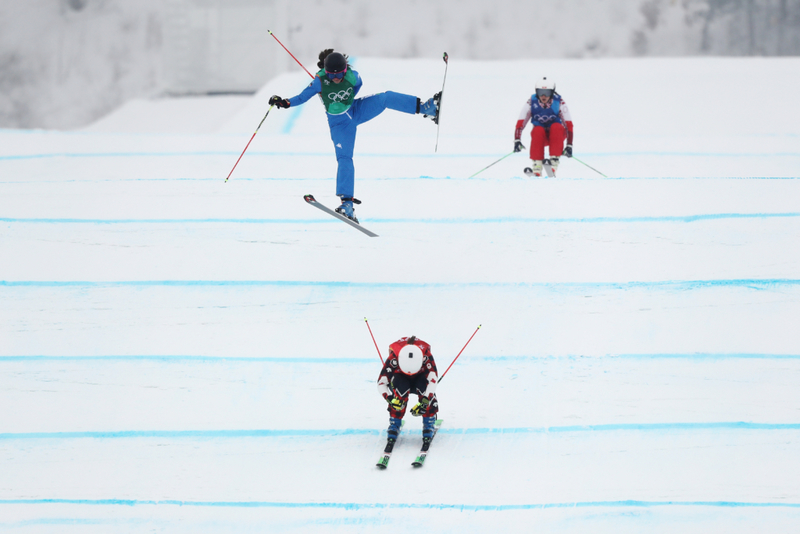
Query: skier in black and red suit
point(410, 368)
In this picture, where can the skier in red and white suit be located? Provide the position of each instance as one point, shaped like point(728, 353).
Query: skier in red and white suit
point(552, 124)
point(410, 368)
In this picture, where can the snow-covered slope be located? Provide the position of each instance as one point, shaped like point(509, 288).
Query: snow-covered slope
point(182, 354)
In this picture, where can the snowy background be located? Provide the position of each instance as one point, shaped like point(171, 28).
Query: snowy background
point(66, 63)
point(181, 354)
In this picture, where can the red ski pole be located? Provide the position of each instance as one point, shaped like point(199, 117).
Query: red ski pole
point(248, 143)
point(270, 108)
point(462, 350)
point(287, 51)
point(373, 340)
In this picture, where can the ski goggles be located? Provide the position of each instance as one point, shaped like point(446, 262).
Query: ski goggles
point(544, 92)
point(336, 75)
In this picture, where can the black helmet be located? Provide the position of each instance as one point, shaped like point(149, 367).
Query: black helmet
point(335, 62)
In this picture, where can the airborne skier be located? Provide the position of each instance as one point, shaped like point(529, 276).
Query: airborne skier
point(338, 83)
point(409, 369)
point(552, 124)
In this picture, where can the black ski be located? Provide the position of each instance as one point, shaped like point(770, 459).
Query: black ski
point(311, 200)
point(383, 461)
point(419, 461)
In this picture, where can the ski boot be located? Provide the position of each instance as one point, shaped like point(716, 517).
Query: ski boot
point(428, 429)
point(392, 433)
point(431, 107)
point(554, 160)
point(535, 169)
point(347, 208)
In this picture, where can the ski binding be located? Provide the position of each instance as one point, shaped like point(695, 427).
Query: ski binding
point(547, 169)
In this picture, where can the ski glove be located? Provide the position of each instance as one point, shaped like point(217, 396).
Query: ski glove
point(568, 151)
point(275, 100)
point(518, 146)
point(421, 407)
point(395, 403)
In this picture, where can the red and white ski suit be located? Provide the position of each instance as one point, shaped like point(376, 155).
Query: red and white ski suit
point(546, 133)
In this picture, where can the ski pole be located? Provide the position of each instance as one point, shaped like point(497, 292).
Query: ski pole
point(445, 57)
point(248, 143)
point(595, 170)
point(287, 50)
point(483, 169)
point(373, 340)
point(462, 350)
point(270, 108)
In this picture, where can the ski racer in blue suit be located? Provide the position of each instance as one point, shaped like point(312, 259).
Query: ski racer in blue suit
point(337, 85)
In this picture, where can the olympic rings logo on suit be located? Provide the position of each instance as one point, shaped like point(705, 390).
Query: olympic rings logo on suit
point(341, 96)
point(544, 119)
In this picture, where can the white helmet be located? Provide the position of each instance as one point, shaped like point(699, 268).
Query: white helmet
point(544, 87)
point(410, 359)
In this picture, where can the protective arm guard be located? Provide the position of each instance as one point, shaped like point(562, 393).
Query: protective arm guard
point(383, 387)
point(523, 120)
point(566, 116)
point(433, 381)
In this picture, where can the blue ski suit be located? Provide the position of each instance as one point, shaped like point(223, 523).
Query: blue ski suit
point(343, 124)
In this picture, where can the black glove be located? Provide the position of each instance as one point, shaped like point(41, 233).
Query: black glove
point(518, 146)
point(421, 407)
point(275, 100)
point(568, 151)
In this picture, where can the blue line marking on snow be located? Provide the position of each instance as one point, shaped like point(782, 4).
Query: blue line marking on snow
point(193, 358)
point(191, 434)
point(290, 124)
point(63, 521)
point(488, 220)
point(392, 178)
point(654, 356)
point(428, 506)
point(179, 358)
point(163, 221)
point(675, 285)
point(327, 433)
point(644, 427)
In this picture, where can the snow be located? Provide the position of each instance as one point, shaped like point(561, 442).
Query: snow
point(182, 354)
point(65, 63)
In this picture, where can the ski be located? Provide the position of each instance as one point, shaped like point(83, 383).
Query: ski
point(312, 201)
point(445, 57)
point(419, 461)
point(547, 169)
point(383, 461)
